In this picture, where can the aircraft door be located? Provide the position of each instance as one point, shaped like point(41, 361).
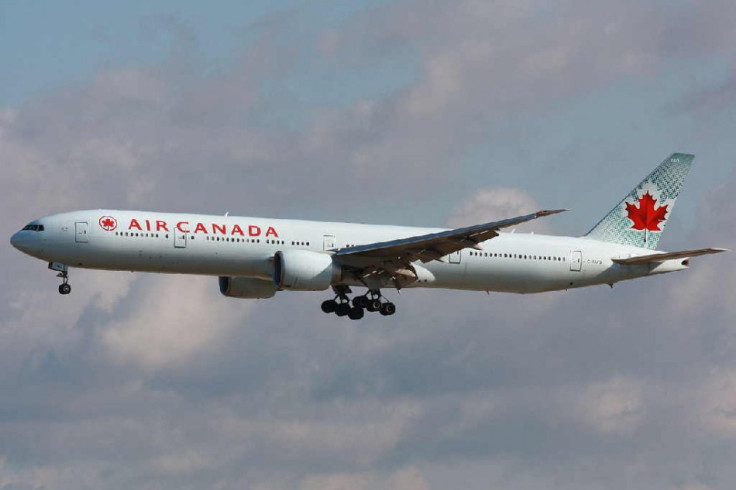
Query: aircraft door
point(454, 257)
point(576, 260)
point(80, 232)
point(180, 238)
point(329, 242)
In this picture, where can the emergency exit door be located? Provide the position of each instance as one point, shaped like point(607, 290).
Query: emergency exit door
point(329, 242)
point(80, 232)
point(576, 260)
point(180, 238)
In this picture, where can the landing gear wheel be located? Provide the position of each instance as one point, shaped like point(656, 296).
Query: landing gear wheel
point(373, 305)
point(64, 287)
point(356, 313)
point(388, 309)
point(329, 306)
point(341, 305)
point(342, 309)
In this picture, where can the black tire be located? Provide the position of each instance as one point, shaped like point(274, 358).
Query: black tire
point(356, 313)
point(373, 305)
point(342, 309)
point(360, 301)
point(329, 306)
point(65, 289)
point(388, 309)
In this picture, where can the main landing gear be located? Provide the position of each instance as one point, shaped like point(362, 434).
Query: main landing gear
point(63, 272)
point(370, 301)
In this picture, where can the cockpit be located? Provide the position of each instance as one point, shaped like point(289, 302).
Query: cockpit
point(33, 227)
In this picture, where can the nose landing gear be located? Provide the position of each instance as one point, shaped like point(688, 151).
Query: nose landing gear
point(63, 272)
point(370, 301)
point(64, 287)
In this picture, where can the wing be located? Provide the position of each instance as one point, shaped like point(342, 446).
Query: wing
point(661, 257)
point(433, 246)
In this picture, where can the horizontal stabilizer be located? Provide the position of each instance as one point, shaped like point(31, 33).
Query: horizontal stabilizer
point(661, 257)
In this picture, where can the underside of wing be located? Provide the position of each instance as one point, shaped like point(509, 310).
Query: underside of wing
point(661, 257)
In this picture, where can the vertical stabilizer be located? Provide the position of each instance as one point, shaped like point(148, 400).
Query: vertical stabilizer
point(639, 219)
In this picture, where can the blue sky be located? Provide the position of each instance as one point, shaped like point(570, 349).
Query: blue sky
point(421, 112)
point(48, 45)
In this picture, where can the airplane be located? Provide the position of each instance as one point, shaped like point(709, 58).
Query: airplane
point(257, 257)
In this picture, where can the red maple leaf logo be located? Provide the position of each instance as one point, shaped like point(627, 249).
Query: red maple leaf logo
point(646, 216)
point(108, 223)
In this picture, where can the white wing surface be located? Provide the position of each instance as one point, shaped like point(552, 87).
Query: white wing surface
point(433, 246)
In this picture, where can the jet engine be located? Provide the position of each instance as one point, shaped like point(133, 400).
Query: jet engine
point(303, 270)
point(246, 287)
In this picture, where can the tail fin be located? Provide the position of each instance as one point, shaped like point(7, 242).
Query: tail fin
point(639, 219)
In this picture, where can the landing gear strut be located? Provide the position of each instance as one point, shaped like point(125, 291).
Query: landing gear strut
point(370, 301)
point(64, 288)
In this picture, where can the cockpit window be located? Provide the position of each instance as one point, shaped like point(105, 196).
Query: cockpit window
point(33, 227)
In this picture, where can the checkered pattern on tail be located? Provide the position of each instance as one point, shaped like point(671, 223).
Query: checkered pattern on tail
point(664, 185)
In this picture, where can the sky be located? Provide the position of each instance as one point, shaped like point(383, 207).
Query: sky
point(422, 113)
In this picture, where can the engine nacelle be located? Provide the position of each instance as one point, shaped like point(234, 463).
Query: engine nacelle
point(303, 270)
point(246, 287)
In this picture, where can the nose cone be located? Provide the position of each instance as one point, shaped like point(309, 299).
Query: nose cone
point(15, 240)
point(20, 241)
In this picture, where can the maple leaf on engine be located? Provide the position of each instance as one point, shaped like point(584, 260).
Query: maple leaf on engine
point(646, 216)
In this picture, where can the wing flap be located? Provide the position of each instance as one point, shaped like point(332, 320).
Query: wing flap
point(661, 257)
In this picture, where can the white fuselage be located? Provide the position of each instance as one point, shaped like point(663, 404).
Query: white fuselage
point(244, 247)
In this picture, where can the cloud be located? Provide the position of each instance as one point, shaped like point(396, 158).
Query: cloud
point(350, 433)
point(172, 319)
point(335, 482)
point(182, 463)
point(719, 403)
point(409, 478)
point(613, 406)
point(496, 204)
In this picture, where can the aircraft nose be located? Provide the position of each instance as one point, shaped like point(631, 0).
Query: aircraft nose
point(19, 241)
point(15, 240)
